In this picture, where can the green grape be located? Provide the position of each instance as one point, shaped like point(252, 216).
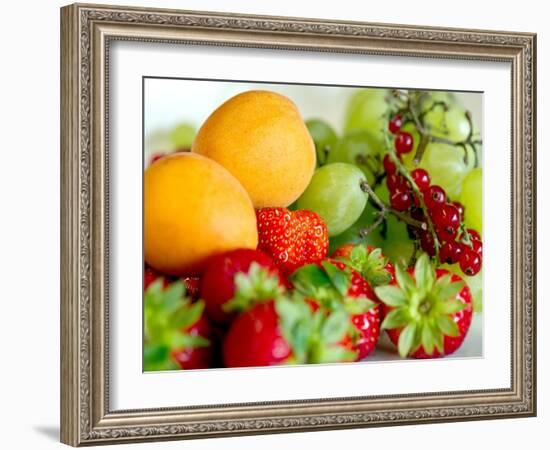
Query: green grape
point(323, 136)
point(182, 136)
point(352, 236)
point(397, 246)
point(472, 199)
point(359, 148)
point(382, 192)
point(407, 158)
point(451, 124)
point(446, 166)
point(429, 98)
point(475, 284)
point(368, 110)
point(157, 142)
point(335, 194)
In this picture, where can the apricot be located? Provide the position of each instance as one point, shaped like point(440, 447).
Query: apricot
point(193, 208)
point(260, 137)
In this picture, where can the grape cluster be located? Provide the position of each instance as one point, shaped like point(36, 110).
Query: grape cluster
point(456, 244)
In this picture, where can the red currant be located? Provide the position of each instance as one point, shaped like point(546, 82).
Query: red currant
point(434, 196)
point(401, 200)
point(393, 181)
point(460, 208)
point(427, 243)
point(446, 217)
point(470, 262)
point(395, 124)
point(477, 246)
point(421, 178)
point(418, 214)
point(389, 165)
point(403, 142)
point(450, 252)
point(474, 235)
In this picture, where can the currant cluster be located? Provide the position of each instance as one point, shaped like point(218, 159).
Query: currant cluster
point(456, 243)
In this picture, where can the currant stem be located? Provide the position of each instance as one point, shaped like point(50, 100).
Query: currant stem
point(363, 232)
point(404, 172)
point(385, 209)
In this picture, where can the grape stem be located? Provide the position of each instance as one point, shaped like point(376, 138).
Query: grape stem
point(426, 137)
point(385, 209)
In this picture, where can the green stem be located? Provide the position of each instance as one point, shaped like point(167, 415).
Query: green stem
point(384, 209)
point(403, 171)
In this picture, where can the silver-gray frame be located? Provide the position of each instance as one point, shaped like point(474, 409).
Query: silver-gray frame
point(86, 32)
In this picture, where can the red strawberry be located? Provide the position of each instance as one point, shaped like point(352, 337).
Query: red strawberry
point(156, 156)
point(428, 311)
point(286, 331)
point(219, 281)
point(368, 261)
point(256, 339)
point(191, 283)
point(176, 332)
point(337, 286)
point(292, 238)
point(196, 357)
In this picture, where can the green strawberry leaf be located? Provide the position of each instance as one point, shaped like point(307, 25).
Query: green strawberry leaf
point(340, 279)
point(439, 342)
point(375, 271)
point(391, 295)
point(257, 285)
point(309, 279)
point(372, 266)
point(451, 306)
point(172, 296)
point(289, 311)
point(447, 326)
point(404, 280)
point(334, 327)
point(184, 340)
point(447, 289)
point(335, 354)
point(357, 257)
point(424, 274)
point(396, 318)
point(407, 339)
point(153, 294)
point(185, 317)
point(154, 354)
point(296, 321)
point(428, 338)
point(357, 305)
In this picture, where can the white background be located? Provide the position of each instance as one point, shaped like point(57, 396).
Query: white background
point(29, 230)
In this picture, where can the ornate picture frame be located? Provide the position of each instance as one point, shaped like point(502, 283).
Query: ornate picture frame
point(86, 34)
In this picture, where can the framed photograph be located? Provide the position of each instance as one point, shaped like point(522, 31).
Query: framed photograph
point(277, 225)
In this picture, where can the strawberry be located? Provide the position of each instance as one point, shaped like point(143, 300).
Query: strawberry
point(196, 356)
point(156, 156)
point(286, 330)
point(292, 238)
point(191, 283)
point(225, 270)
point(336, 286)
point(176, 332)
point(368, 261)
point(428, 311)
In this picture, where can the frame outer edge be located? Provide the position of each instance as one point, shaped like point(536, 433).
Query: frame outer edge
point(84, 417)
point(70, 298)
